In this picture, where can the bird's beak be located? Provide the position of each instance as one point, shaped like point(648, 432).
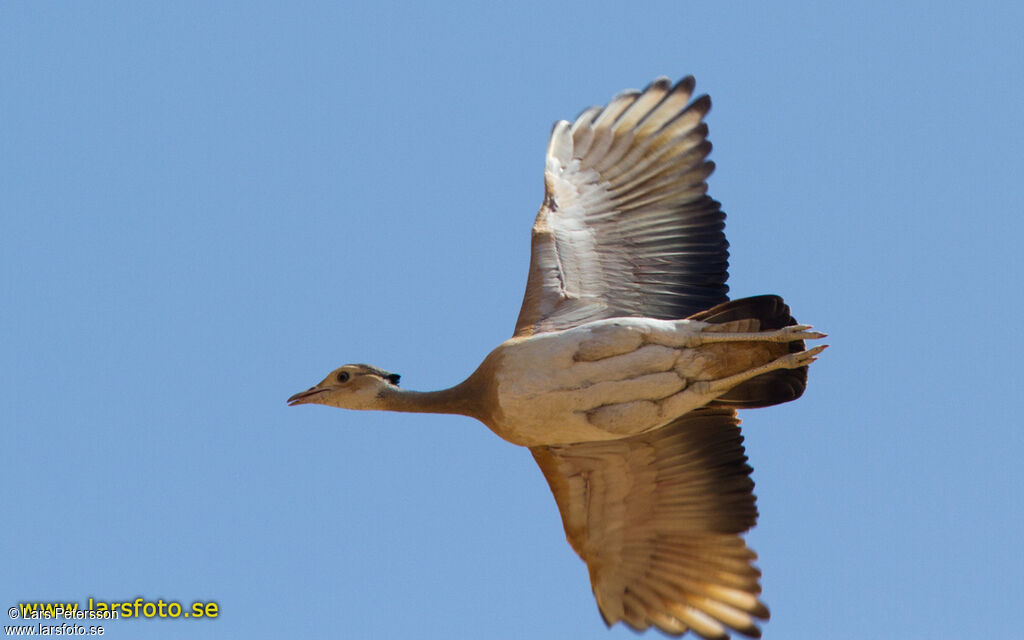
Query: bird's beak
point(305, 397)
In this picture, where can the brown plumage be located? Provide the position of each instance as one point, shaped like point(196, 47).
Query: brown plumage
point(626, 367)
point(685, 493)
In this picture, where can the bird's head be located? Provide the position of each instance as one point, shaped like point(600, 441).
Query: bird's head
point(354, 386)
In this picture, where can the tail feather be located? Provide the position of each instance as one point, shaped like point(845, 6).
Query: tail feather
point(769, 312)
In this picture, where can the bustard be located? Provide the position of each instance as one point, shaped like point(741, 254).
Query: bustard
point(627, 365)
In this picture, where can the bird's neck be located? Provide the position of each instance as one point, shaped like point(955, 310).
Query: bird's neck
point(455, 400)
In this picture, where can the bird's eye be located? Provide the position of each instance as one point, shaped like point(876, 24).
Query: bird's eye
point(343, 376)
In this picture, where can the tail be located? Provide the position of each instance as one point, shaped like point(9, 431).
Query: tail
point(759, 313)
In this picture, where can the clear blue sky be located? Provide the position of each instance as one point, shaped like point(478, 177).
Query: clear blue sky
point(205, 207)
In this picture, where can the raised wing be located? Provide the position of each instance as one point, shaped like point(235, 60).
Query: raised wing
point(626, 228)
point(657, 517)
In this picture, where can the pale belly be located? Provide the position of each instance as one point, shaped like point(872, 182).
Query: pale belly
point(600, 381)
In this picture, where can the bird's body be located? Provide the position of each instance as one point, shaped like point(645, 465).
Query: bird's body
point(627, 365)
point(607, 379)
point(570, 377)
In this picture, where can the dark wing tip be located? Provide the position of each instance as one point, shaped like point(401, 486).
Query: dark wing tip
point(660, 83)
point(701, 104)
point(685, 85)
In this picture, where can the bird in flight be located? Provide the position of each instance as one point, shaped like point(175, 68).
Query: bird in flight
point(627, 365)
